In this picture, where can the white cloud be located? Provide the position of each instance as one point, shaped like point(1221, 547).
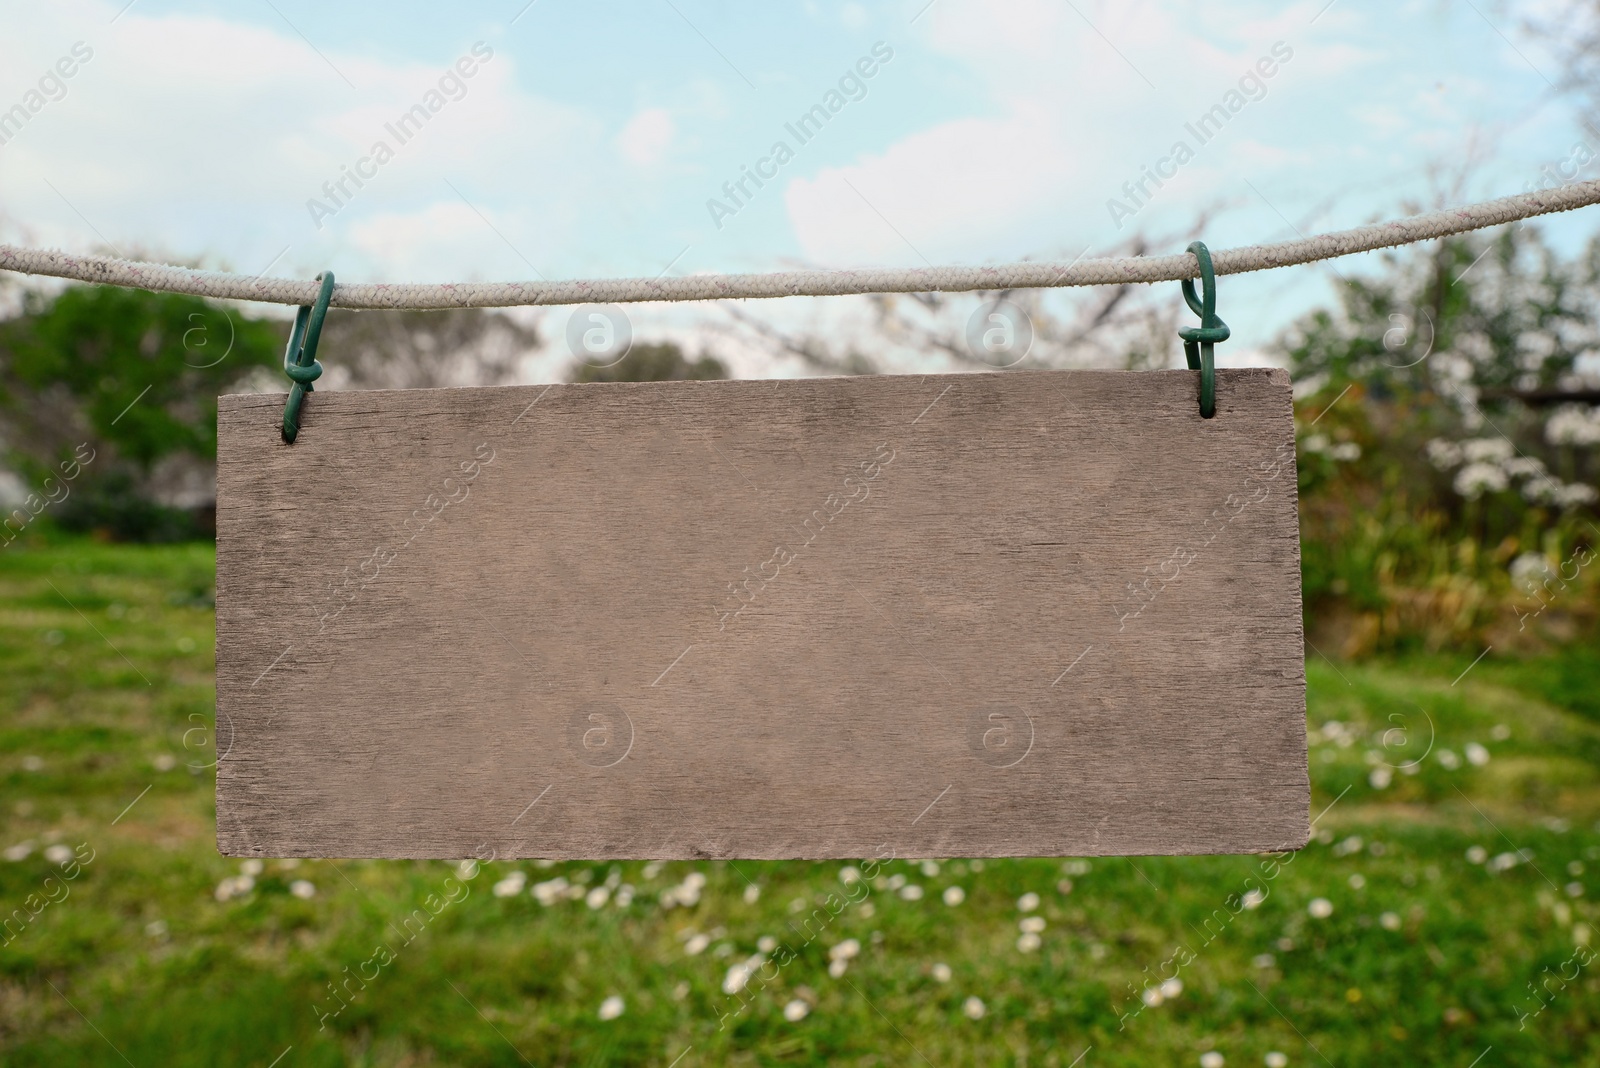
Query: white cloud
point(1068, 117)
point(646, 137)
point(214, 134)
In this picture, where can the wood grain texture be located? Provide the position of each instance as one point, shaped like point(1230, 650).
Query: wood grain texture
point(1028, 613)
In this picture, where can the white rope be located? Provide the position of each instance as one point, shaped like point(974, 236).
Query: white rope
point(161, 278)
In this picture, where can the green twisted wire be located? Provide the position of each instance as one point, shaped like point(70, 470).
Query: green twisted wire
point(1198, 340)
point(300, 359)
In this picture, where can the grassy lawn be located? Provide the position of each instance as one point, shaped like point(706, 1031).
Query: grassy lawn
point(1454, 871)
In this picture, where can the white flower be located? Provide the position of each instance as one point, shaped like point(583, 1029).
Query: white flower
point(1574, 494)
point(846, 950)
point(1274, 1059)
point(1315, 443)
point(849, 874)
point(1477, 755)
point(467, 870)
point(165, 762)
point(252, 867)
point(1443, 454)
point(1320, 908)
point(930, 868)
point(1346, 451)
point(795, 1011)
point(1253, 898)
point(58, 854)
point(597, 897)
point(236, 886)
point(19, 851)
point(1029, 942)
point(737, 977)
point(1152, 996)
point(612, 1007)
point(1389, 921)
point(911, 892)
point(1527, 570)
point(1064, 886)
point(1211, 1059)
point(697, 944)
point(1350, 845)
point(1357, 881)
point(954, 895)
point(624, 896)
point(1172, 988)
point(511, 885)
point(303, 889)
point(1573, 425)
point(837, 968)
point(1028, 902)
point(942, 973)
point(1523, 467)
point(1448, 758)
point(973, 1008)
point(1379, 778)
point(1477, 854)
point(1032, 924)
point(895, 882)
point(1263, 960)
point(1542, 490)
point(1502, 862)
point(1486, 450)
point(1475, 479)
point(752, 894)
point(766, 943)
point(547, 893)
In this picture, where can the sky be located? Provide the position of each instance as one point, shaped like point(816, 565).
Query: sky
point(605, 139)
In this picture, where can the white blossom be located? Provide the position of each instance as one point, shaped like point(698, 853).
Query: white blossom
point(1573, 425)
point(1486, 450)
point(1475, 479)
point(511, 885)
point(1443, 454)
point(612, 1007)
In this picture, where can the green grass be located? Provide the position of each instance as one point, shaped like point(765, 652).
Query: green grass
point(106, 690)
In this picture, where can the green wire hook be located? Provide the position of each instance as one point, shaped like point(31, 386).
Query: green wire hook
point(1198, 340)
point(300, 359)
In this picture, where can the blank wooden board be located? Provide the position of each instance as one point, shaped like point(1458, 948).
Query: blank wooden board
point(1028, 613)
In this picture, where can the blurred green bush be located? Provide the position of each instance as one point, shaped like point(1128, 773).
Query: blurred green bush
point(108, 408)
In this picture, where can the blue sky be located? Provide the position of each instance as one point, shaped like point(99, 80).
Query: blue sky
point(592, 139)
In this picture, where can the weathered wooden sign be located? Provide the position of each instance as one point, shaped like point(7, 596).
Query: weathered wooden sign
point(1025, 613)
